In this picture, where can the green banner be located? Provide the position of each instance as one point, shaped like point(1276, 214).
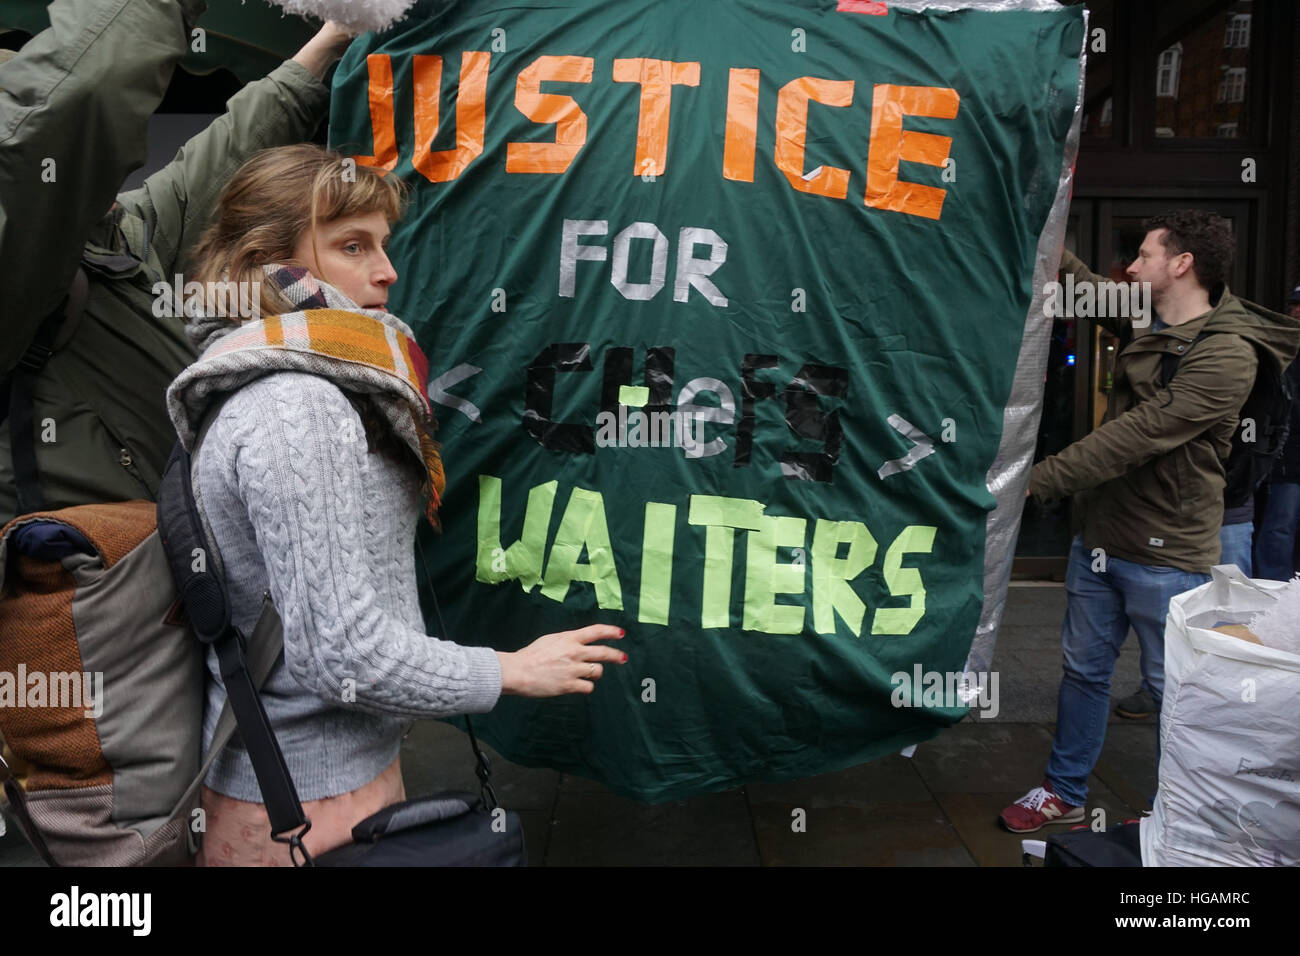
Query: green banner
point(722, 303)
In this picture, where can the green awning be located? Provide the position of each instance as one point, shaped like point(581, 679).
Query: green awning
point(248, 38)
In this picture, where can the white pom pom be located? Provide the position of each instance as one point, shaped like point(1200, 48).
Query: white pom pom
point(1279, 626)
point(356, 15)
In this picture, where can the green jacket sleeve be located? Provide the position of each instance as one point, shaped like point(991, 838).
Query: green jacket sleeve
point(74, 109)
point(1073, 265)
point(175, 202)
point(1209, 380)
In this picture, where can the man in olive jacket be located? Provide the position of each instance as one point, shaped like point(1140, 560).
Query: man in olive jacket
point(1148, 483)
point(74, 108)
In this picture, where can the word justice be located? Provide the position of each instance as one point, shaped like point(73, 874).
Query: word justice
point(888, 142)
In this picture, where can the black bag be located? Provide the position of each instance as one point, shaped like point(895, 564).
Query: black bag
point(1119, 846)
point(1265, 418)
point(444, 829)
point(453, 829)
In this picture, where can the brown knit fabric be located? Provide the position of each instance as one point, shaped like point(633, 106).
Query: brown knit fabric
point(116, 529)
point(61, 743)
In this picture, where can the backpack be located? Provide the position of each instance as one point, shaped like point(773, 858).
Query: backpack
point(1264, 423)
point(102, 674)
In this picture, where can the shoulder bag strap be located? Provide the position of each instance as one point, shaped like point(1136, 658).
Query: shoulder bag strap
point(242, 669)
point(482, 766)
point(264, 646)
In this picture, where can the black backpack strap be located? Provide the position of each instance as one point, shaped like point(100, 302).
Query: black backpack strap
point(16, 394)
point(282, 804)
point(1169, 361)
point(183, 535)
point(264, 647)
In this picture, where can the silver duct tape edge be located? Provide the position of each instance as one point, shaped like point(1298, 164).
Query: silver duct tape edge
point(1008, 476)
point(952, 5)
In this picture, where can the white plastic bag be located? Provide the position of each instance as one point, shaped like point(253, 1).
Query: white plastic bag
point(1229, 736)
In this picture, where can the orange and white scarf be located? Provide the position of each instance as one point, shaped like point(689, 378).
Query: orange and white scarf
point(368, 351)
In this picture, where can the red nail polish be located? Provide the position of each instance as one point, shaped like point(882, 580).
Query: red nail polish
point(621, 632)
point(624, 658)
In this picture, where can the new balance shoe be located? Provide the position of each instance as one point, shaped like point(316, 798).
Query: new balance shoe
point(1037, 809)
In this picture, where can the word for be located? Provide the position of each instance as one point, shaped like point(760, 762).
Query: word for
point(66, 689)
point(584, 528)
point(75, 908)
point(1098, 300)
point(691, 272)
point(887, 141)
point(229, 299)
point(953, 689)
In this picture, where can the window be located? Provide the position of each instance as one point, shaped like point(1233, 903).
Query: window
point(1232, 88)
point(1201, 59)
point(1238, 32)
point(1227, 131)
point(1167, 71)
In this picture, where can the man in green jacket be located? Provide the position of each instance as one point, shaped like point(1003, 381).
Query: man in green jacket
point(74, 107)
point(1148, 482)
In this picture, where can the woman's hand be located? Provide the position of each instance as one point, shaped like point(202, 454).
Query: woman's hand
point(566, 662)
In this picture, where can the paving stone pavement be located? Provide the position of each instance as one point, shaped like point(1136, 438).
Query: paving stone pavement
point(937, 808)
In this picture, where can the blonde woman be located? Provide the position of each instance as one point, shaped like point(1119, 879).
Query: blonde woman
point(310, 479)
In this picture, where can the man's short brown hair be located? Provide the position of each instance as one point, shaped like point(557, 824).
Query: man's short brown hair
point(1206, 235)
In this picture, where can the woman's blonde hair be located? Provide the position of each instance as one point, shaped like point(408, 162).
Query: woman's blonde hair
point(272, 200)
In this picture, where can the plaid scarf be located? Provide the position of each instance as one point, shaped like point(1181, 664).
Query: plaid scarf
point(361, 350)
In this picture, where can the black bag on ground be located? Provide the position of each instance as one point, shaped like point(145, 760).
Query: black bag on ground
point(1119, 846)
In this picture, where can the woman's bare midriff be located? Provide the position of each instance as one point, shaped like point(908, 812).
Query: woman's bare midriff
point(239, 832)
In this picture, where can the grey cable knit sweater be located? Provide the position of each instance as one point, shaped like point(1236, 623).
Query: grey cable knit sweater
point(298, 507)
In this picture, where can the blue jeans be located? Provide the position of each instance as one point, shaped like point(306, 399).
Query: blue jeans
point(1102, 604)
point(1234, 542)
point(1276, 538)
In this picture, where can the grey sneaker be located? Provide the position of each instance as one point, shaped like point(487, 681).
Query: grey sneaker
point(1137, 706)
